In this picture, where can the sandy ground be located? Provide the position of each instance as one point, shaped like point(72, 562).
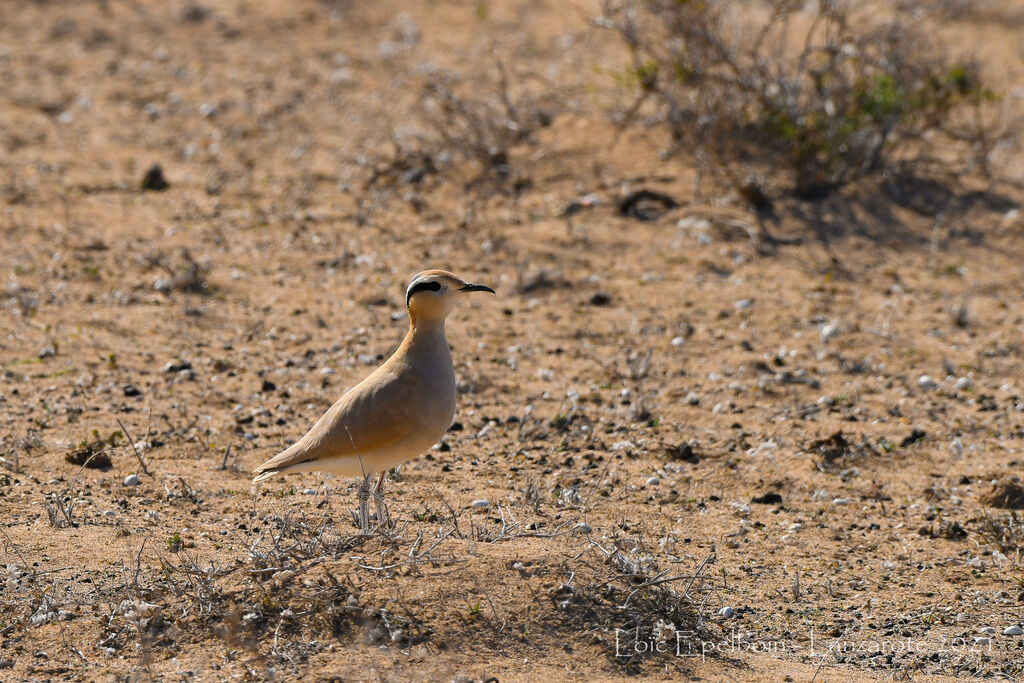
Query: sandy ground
point(676, 453)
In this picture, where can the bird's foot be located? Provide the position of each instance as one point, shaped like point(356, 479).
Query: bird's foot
point(364, 507)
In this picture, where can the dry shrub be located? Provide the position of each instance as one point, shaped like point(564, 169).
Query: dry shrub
point(828, 91)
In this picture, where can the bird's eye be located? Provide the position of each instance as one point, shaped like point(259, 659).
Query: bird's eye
point(428, 285)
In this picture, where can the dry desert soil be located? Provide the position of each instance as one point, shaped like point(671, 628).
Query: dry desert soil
point(681, 451)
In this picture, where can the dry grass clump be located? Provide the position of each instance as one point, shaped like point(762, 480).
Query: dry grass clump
point(829, 91)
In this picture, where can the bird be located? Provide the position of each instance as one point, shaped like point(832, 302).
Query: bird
point(399, 411)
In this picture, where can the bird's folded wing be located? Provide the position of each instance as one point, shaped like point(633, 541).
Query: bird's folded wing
point(371, 416)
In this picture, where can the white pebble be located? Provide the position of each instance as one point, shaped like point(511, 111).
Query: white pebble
point(842, 501)
point(987, 630)
point(744, 303)
point(725, 612)
point(583, 528)
point(692, 398)
point(482, 503)
point(653, 481)
point(678, 341)
point(109, 513)
point(1013, 631)
point(982, 640)
point(963, 384)
point(308, 492)
point(132, 480)
point(927, 383)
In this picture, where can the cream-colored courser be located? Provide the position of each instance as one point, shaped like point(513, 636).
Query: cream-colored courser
point(400, 410)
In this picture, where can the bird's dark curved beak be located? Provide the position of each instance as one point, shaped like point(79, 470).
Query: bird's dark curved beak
point(476, 288)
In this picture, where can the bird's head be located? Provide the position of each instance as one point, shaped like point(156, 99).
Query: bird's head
point(432, 294)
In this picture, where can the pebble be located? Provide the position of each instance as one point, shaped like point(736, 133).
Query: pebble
point(678, 341)
point(163, 284)
point(308, 492)
point(1013, 631)
point(583, 528)
point(963, 384)
point(132, 480)
point(725, 612)
point(719, 408)
point(982, 640)
point(482, 503)
point(842, 501)
point(744, 303)
point(109, 513)
point(692, 398)
point(927, 383)
point(987, 630)
point(653, 481)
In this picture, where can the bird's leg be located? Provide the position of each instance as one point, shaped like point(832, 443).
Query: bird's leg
point(383, 519)
point(364, 506)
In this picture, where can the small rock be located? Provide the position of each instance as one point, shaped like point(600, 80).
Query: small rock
point(131, 390)
point(177, 366)
point(743, 303)
point(109, 513)
point(48, 351)
point(163, 284)
point(482, 503)
point(915, 435)
point(725, 612)
point(982, 640)
point(132, 480)
point(583, 528)
point(678, 341)
point(963, 384)
point(154, 179)
point(692, 398)
point(987, 630)
point(308, 492)
point(600, 299)
point(827, 331)
point(842, 501)
point(1013, 631)
point(653, 481)
point(770, 498)
point(268, 385)
point(927, 383)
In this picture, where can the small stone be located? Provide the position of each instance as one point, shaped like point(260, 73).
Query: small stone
point(48, 351)
point(982, 640)
point(481, 503)
point(1013, 631)
point(163, 284)
point(743, 303)
point(692, 398)
point(719, 408)
point(725, 612)
point(132, 480)
point(653, 481)
point(131, 390)
point(308, 492)
point(987, 630)
point(927, 383)
point(177, 366)
point(963, 384)
point(154, 179)
point(268, 385)
point(583, 528)
point(828, 331)
point(842, 501)
point(109, 513)
point(678, 341)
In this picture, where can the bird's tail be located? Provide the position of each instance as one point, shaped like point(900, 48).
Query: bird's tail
point(263, 474)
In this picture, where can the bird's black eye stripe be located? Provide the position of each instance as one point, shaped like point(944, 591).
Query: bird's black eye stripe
point(429, 285)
